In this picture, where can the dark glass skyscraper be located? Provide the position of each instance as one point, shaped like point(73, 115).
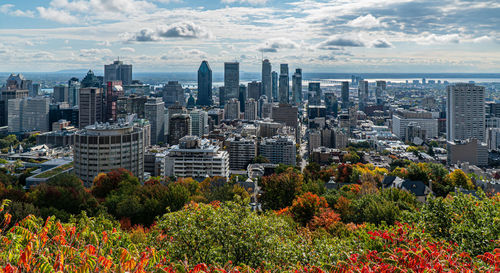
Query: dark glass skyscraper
point(345, 95)
point(274, 85)
point(204, 85)
point(267, 84)
point(284, 84)
point(231, 80)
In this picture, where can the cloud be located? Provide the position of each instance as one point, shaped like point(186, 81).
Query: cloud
point(251, 2)
point(340, 41)
point(144, 35)
point(57, 15)
point(94, 51)
point(183, 30)
point(274, 45)
point(381, 43)
point(104, 43)
point(8, 9)
point(367, 21)
point(129, 49)
point(429, 39)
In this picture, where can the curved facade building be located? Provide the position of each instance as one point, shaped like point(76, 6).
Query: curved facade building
point(103, 148)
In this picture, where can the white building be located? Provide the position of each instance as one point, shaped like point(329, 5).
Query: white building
point(424, 119)
point(314, 140)
point(493, 138)
point(199, 122)
point(154, 110)
point(28, 114)
point(232, 109)
point(196, 158)
point(279, 150)
point(465, 112)
point(250, 110)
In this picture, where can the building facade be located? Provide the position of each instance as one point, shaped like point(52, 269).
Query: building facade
point(92, 106)
point(155, 112)
point(279, 150)
point(284, 84)
point(297, 87)
point(173, 93)
point(118, 71)
point(465, 112)
point(231, 80)
point(241, 152)
point(267, 81)
point(205, 85)
point(29, 114)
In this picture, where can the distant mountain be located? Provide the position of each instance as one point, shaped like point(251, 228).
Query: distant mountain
point(71, 71)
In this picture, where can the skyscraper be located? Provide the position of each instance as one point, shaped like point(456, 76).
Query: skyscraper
point(91, 106)
point(315, 92)
point(331, 104)
point(173, 93)
point(117, 71)
point(254, 90)
point(465, 115)
point(154, 111)
point(15, 88)
point(242, 97)
point(199, 122)
point(114, 90)
point(267, 84)
point(73, 90)
point(178, 126)
point(345, 95)
point(362, 93)
point(90, 80)
point(204, 85)
point(232, 109)
point(297, 87)
point(250, 109)
point(231, 80)
point(284, 84)
point(29, 114)
point(274, 79)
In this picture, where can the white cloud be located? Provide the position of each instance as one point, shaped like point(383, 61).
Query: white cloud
point(336, 41)
point(367, 22)
point(8, 9)
point(92, 52)
point(183, 30)
point(274, 45)
point(428, 39)
point(381, 43)
point(251, 2)
point(129, 49)
point(57, 15)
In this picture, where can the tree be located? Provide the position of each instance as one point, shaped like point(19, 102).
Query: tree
point(260, 159)
point(279, 190)
point(104, 183)
point(458, 178)
point(306, 206)
point(418, 172)
point(352, 157)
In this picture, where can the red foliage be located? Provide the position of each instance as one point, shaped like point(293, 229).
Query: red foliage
point(306, 206)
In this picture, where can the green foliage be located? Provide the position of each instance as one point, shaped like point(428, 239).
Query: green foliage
point(10, 140)
point(260, 159)
point(279, 190)
point(352, 157)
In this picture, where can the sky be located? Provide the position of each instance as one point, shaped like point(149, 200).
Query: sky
point(318, 36)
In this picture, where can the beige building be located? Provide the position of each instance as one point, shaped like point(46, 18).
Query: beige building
point(471, 151)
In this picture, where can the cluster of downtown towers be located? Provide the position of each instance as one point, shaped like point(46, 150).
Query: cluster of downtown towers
point(273, 88)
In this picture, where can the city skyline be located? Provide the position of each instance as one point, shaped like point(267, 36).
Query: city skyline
point(318, 36)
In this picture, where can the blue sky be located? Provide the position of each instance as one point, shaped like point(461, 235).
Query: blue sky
point(319, 36)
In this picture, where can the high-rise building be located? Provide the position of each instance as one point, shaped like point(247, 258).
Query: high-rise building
point(173, 93)
point(102, 148)
point(315, 92)
point(284, 84)
point(331, 103)
point(199, 122)
point(29, 114)
point(91, 106)
point(279, 150)
point(241, 152)
point(179, 126)
point(61, 93)
point(274, 88)
point(242, 97)
point(267, 81)
point(15, 88)
point(35, 90)
point(73, 90)
point(382, 85)
point(171, 111)
point(196, 158)
point(345, 95)
point(132, 104)
point(90, 80)
point(286, 113)
point(114, 90)
point(363, 94)
point(465, 112)
point(254, 90)
point(232, 109)
point(117, 71)
point(154, 110)
point(231, 80)
point(401, 119)
point(63, 111)
point(297, 87)
point(205, 85)
point(222, 96)
point(250, 109)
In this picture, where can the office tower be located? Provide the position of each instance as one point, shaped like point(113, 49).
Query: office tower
point(297, 87)
point(91, 106)
point(199, 122)
point(382, 85)
point(191, 103)
point(90, 80)
point(267, 81)
point(216, 116)
point(284, 84)
point(242, 97)
point(133, 104)
point(471, 151)
point(315, 93)
point(363, 94)
point(29, 114)
point(63, 111)
point(101, 148)
point(332, 105)
point(196, 158)
point(254, 90)
point(222, 97)
point(117, 71)
point(241, 152)
point(154, 111)
point(173, 93)
point(204, 85)
point(260, 103)
point(232, 109)
point(15, 88)
point(401, 119)
point(274, 79)
point(171, 111)
point(250, 110)
point(60, 93)
point(267, 110)
point(286, 113)
point(36, 89)
point(73, 91)
point(465, 114)
point(345, 95)
point(231, 80)
point(279, 150)
point(114, 90)
point(179, 126)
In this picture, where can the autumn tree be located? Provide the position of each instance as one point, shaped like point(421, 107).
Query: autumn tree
point(306, 206)
point(279, 190)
